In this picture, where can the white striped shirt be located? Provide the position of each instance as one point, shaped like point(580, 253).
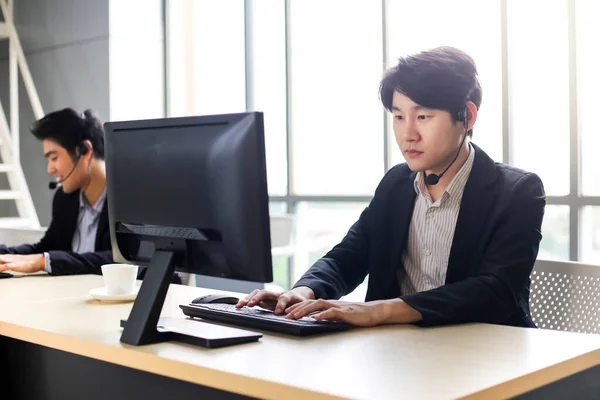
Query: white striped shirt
point(431, 233)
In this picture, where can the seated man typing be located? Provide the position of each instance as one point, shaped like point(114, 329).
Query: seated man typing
point(78, 239)
point(449, 236)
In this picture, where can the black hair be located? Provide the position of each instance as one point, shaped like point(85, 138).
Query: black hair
point(70, 128)
point(443, 78)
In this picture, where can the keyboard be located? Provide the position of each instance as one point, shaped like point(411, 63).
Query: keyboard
point(257, 318)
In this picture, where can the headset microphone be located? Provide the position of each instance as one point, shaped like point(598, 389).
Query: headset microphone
point(82, 150)
point(433, 179)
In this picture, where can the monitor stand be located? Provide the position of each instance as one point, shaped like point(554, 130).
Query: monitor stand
point(143, 325)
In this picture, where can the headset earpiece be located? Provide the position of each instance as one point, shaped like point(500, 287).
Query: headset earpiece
point(82, 149)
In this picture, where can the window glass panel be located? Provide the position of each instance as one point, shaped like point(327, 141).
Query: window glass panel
point(206, 57)
point(319, 227)
point(135, 61)
point(281, 260)
point(337, 121)
point(588, 60)
point(555, 231)
point(281, 273)
point(539, 90)
point(590, 235)
point(267, 79)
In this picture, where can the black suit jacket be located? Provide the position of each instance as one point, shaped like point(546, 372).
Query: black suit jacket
point(59, 236)
point(495, 245)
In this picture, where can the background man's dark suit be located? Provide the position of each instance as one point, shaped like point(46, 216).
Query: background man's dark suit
point(57, 241)
point(59, 237)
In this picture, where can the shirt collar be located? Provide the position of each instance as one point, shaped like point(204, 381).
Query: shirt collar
point(84, 203)
point(457, 184)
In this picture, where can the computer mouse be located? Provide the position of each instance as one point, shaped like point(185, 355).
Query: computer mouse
point(216, 298)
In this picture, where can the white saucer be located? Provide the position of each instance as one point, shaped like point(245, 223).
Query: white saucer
point(100, 294)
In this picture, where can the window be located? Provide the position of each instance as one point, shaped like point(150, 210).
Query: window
point(590, 235)
point(537, 86)
point(206, 57)
point(136, 61)
point(588, 57)
point(320, 226)
point(555, 232)
point(336, 117)
point(315, 70)
point(588, 64)
point(267, 80)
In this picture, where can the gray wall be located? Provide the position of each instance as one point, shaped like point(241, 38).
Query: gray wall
point(66, 43)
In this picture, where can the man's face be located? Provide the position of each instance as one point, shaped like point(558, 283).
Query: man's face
point(428, 138)
point(60, 164)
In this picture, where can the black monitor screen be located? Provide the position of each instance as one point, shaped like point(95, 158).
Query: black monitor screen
point(194, 186)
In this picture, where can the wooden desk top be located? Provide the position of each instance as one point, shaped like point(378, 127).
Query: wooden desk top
point(471, 361)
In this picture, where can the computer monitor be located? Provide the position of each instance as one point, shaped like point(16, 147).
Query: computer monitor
point(187, 194)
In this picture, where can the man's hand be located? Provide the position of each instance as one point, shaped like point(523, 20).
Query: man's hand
point(22, 263)
point(360, 314)
point(276, 301)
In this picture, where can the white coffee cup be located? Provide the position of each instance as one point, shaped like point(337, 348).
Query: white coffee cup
point(119, 279)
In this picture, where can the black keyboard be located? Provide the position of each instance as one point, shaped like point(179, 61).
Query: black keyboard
point(256, 318)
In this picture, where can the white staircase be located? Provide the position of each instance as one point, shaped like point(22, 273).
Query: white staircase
point(9, 135)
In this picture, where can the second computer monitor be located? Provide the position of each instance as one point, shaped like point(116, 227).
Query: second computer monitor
point(195, 187)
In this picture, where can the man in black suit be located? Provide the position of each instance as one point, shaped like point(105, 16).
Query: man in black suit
point(449, 236)
point(78, 238)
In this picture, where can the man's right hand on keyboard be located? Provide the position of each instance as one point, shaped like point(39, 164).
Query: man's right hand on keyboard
point(277, 301)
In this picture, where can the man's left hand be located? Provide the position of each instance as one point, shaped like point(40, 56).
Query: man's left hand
point(372, 313)
point(359, 314)
point(22, 263)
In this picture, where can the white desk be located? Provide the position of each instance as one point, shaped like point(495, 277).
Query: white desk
point(469, 361)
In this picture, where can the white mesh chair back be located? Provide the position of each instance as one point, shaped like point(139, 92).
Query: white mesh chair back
point(565, 296)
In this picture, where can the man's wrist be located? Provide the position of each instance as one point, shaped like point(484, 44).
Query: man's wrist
point(396, 311)
point(304, 291)
point(40, 262)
